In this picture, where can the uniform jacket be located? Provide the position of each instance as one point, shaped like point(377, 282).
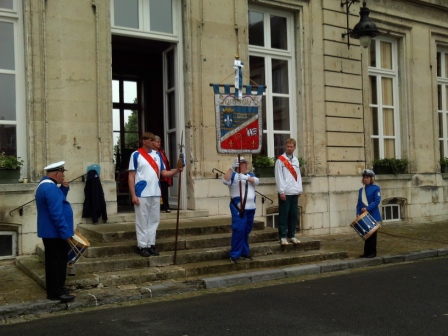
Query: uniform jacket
point(373, 193)
point(54, 212)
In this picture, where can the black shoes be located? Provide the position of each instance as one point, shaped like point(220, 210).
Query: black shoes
point(168, 210)
point(371, 255)
point(144, 252)
point(234, 261)
point(152, 251)
point(62, 298)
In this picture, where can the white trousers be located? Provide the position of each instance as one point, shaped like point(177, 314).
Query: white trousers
point(147, 219)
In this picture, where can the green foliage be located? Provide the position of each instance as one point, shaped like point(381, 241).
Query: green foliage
point(444, 161)
point(302, 161)
point(10, 162)
point(398, 166)
point(263, 161)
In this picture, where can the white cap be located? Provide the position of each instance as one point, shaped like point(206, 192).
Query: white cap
point(242, 159)
point(58, 166)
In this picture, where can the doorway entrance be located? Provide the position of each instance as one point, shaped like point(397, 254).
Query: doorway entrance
point(145, 98)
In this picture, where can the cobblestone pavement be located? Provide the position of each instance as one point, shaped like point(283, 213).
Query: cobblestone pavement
point(21, 299)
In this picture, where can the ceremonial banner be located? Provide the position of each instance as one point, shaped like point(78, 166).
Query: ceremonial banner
point(238, 121)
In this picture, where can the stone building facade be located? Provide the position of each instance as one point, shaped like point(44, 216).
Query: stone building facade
point(81, 80)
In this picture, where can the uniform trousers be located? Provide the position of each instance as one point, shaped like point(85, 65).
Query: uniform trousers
point(370, 244)
point(147, 219)
point(164, 189)
point(288, 212)
point(56, 252)
point(241, 228)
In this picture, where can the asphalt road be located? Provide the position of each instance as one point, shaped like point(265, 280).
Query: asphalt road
point(404, 299)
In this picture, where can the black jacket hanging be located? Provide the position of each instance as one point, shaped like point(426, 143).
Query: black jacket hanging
point(94, 202)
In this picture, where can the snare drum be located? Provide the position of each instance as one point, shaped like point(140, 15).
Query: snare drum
point(365, 225)
point(78, 244)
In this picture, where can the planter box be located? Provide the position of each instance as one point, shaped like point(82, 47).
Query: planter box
point(8, 176)
point(264, 171)
point(379, 170)
point(444, 168)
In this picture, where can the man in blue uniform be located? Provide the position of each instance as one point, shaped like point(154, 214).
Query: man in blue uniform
point(55, 227)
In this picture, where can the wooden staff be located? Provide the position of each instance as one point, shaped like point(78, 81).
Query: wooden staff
point(180, 164)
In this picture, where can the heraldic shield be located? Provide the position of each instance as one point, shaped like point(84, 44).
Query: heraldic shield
point(238, 121)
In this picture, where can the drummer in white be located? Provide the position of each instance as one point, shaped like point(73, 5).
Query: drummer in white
point(369, 199)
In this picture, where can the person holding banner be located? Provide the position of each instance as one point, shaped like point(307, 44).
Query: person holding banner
point(243, 211)
point(55, 227)
point(369, 199)
point(145, 169)
point(289, 188)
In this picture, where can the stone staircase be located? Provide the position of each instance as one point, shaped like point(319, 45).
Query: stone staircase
point(202, 250)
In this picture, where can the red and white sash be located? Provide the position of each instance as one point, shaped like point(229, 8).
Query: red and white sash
point(289, 166)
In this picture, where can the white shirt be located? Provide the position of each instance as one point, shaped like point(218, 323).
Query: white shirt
point(146, 180)
point(234, 189)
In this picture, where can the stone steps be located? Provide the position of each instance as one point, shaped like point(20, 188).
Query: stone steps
point(34, 267)
point(202, 249)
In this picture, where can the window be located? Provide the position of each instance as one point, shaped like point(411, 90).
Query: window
point(8, 239)
point(384, 105)
point(442, 100)
point(271, 63)
point(154, 17)
point(391, 212)
point(12, 91)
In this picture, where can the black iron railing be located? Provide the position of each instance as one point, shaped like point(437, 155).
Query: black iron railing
point(20, 208)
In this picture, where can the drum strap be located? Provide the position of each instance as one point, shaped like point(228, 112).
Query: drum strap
point(44, 181)
point(364, 196)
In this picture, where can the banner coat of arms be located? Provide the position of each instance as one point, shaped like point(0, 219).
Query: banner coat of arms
point(238, 121)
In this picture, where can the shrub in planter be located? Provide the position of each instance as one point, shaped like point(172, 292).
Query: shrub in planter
point(264, 166)
point(9, 168)
point(390, 166)
point(444, 165)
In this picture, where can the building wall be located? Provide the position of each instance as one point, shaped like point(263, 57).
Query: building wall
point(68, 78)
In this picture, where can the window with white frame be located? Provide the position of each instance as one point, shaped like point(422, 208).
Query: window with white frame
point(384, 98)
point(391, 212)
point(271, 63)
point(442, 100)
point(12, 91)
point(153, 17)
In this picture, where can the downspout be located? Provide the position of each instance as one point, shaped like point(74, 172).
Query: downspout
point(98, 86)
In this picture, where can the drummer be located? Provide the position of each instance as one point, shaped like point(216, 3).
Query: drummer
point(369, 198)
point(55, 227)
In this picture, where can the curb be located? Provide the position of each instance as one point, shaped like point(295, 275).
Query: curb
point(100, 296)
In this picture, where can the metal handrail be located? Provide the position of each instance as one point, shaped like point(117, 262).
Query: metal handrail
point(263, 197)
point(20, 208)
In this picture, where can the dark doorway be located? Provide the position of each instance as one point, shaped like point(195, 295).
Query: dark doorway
point(137, 82)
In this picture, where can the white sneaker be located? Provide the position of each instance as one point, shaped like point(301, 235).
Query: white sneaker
point(284, 241)
point(294, 240)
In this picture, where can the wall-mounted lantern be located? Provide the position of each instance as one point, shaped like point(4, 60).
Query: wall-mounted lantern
point(364, 30)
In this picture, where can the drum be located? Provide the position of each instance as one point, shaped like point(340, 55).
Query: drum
point(365, 225)
point(78, 244)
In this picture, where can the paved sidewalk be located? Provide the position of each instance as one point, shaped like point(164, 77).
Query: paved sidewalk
point(21, 299)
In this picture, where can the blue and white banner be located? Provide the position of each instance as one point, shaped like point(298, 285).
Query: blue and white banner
point(238, 120)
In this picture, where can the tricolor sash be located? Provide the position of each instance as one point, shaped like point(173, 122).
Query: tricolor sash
point(289, 166)
point(150, 160)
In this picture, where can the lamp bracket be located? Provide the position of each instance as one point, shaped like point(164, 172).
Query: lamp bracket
point(348, 4)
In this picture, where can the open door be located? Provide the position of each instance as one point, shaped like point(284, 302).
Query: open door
point(173, 119)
